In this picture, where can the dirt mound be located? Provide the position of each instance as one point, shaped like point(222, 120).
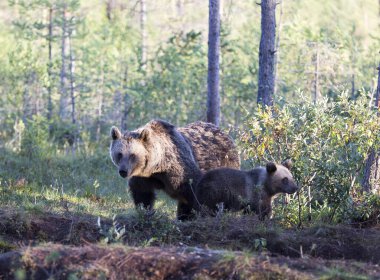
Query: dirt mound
point(236, 233)
point(16, 226)
point(89, 262)
point(331, 242)
point(246, 232)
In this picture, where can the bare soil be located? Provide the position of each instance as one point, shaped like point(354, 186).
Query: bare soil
point(93, 262)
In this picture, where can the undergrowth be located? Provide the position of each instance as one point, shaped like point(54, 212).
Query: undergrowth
point(329, 143)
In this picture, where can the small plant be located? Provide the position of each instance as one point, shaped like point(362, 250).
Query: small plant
point(260, 244)
point(5, 246)
point(141, 228)
point(35, 138)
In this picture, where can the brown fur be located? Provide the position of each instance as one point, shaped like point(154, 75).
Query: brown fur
point(160, 156)
point(249, 190)
point(212, 148)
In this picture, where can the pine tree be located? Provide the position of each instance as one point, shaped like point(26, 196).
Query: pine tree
point(267, 52)
point(213, 98)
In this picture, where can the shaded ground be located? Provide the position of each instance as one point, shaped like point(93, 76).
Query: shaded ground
point(207, 248)
point(24, 227)
point(328, 242)
point(91, 261)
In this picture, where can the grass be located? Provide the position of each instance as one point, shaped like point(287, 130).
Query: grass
point(81, 184)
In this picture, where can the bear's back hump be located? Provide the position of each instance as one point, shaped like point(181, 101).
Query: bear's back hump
point(212, 148)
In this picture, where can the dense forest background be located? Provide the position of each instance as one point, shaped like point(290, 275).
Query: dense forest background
point(84, 65)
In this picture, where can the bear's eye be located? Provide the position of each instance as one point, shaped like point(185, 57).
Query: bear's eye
point(285, 181)
point(119, 156)
point(132, 156)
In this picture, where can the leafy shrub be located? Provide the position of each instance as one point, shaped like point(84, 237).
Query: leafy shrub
point(35, 138)
point(64, 133)
point(328, 142)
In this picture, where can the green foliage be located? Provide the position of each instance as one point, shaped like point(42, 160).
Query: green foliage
point(178, 78)
point(63, 133)
point(366, 211)
point(110, 83)
point(260, 244)
point(5, 247)
point(35, 142)
point(328, 143)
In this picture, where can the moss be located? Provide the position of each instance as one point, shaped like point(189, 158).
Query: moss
point(6, 246)
point(333, 274)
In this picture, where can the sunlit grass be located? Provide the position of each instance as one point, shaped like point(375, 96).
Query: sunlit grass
point(47, 199)
point(83, 184)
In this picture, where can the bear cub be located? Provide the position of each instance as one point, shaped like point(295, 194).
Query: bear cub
point(251, 190)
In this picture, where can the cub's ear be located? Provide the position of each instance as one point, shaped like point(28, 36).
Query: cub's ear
point(271, 167)
point(115, 133)
point(145, 134)
point(287, 163)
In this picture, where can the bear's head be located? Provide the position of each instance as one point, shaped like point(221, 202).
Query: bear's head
point(129, 151)
point(139, 152)
point(279, 178)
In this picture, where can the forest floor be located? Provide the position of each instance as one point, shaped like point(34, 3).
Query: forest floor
point(42, 245)
point(71, 218)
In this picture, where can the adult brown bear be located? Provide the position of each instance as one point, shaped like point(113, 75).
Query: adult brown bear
point(160, 156)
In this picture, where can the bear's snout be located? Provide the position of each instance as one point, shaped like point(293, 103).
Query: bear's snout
point(292, 189)
point(123, 173)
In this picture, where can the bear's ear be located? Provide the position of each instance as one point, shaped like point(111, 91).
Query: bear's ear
point(115, 133)
point(287, 163)
point(271, 167)
point(145, 134)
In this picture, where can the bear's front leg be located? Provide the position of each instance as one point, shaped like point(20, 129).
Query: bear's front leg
point(265, 209)
point(142, 190)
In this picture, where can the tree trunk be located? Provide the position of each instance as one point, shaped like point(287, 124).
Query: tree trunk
point(371, 178)
point(64, 102)
point(179, 8)
point(100, 101)
point(110, 7)
point(126, 105)
point(143, 34)
point(26, 99)
point(277, 54)
point(267, 52)
point(213, 98)
point(316, 75)
point(50, 65)
point(377, 96)
point(72, 77)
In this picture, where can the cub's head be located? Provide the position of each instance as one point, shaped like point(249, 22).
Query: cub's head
point(130, 151)
point(280, 179)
